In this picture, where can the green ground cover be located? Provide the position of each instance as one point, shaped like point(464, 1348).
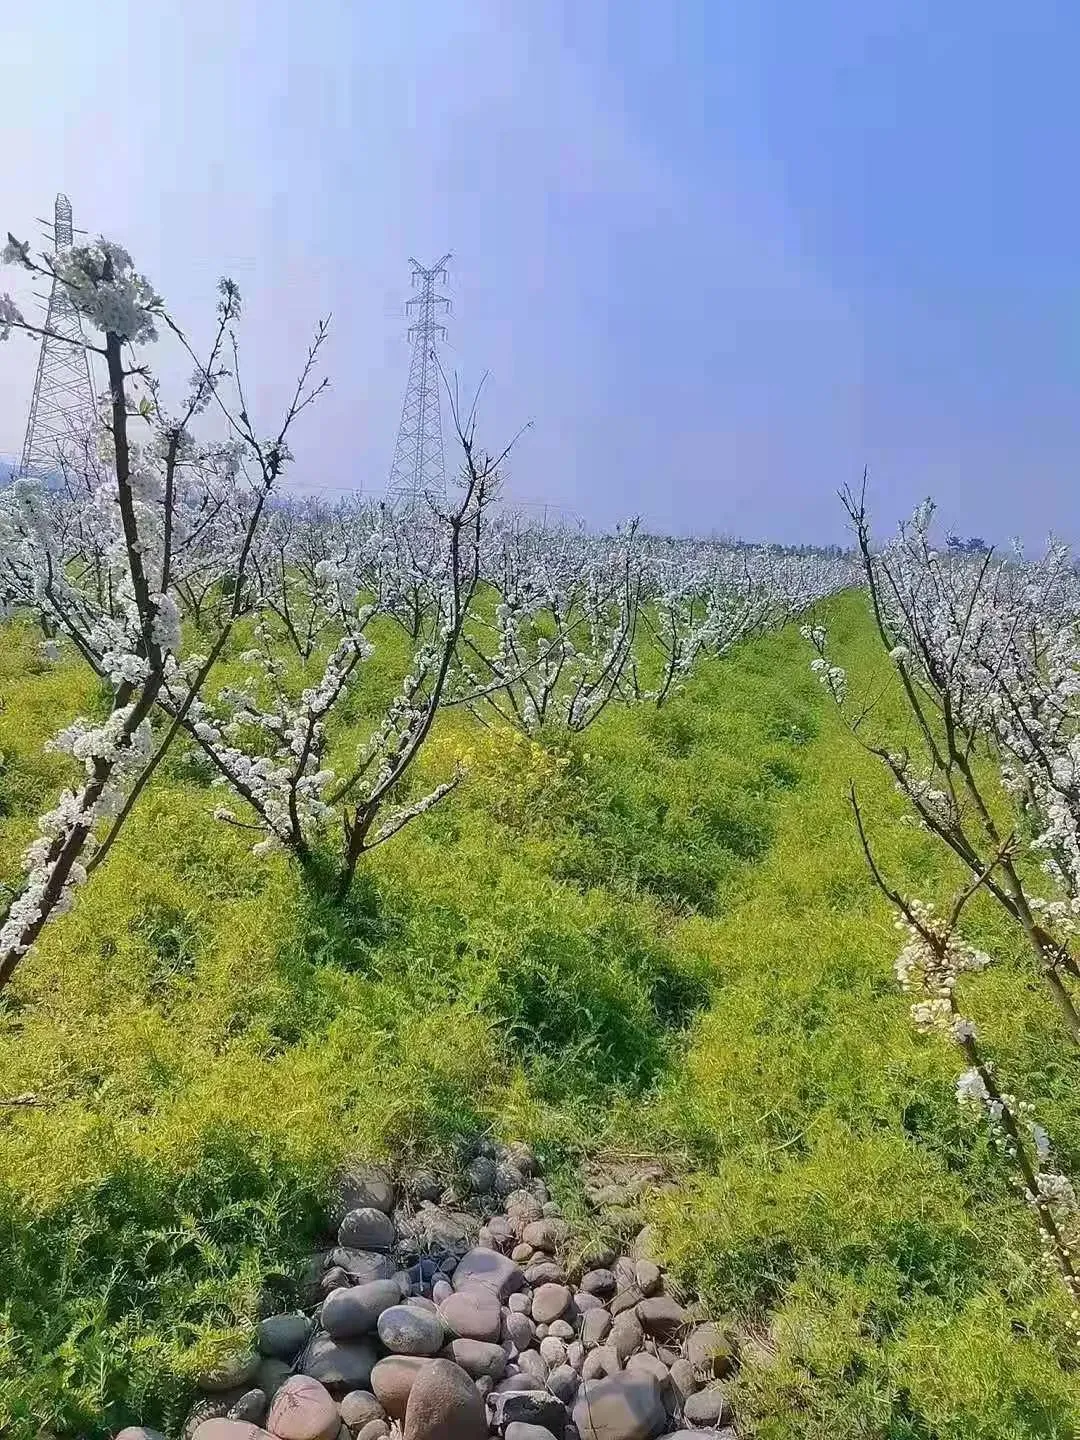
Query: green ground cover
point(660, 935)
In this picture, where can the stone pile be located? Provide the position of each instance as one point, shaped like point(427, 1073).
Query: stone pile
point(433, 1320)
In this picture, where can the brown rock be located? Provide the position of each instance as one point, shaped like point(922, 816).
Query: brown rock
point(472, 1314)
point(549, 1302)
point(229, 1430)
point(620, 1407)
point(626, 1336)
point(648, 1277)
point(393, 1378)
point(547, 1234)
point(373, 1430)
point(444, 1404)
point(360, 1406)
point(478, 1357)
point(710, 1348)
point(303, 1410)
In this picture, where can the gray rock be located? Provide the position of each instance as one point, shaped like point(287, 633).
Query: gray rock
point(648, 1277)
point(519, 1430)
point(520, 1304)
point(441, 1229)
point(725, 1434)
point(502, 1233)
point(522, 1254)
point(333, 1279)
point(522, 1208)
point(595, 1325)
point(472, 1314)
point(519, 1329)
point(392, 1379)
point(535, 1364)
point(549, 1302)
point(626, 1300)
point(575, 1355)
point(341, 1365)
point(361, 1186)
point(424, 1184)
point(626, 1335)
point(600, 1362)
point(354, 1310)
point(522, 1156)
point(542, 1271)
point(683, 1379)
point(507, 1179)
point(553, 1350)
point(444, 1404)
point(527, 1407)
point(303, 1410)
point(408, 1330)
point(562, 1330)
point(373, 1430)
point(518, 1380)
point(661, 1318)
point(625, 1272)
point(271, 1375)
point(599, 1282)
point(366, 1228)
point(138, 1432)
point(282, 1337)
point(710, 1348)
point(252, 1407)
point(363, 1266)
point(441, 1290)
point(358, 1407)
point(491, 1269)
point(552, 1210)
point(709, 1407)
point(484, 1386)
point(421, 1302)
point(585, 1302)
point(563, 1382)
point(598, 1257)
point(480, 1173)
point(478, 1357)
point(647, 1244)
point(620, 1407)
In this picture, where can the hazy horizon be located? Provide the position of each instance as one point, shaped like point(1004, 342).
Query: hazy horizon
point(721, 259)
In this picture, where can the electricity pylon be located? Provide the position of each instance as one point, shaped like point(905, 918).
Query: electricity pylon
point(419, 468)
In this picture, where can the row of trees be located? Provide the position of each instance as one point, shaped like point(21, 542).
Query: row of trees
point(156, 546)
point(985, 648)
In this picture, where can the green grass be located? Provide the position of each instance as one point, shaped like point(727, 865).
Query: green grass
point(660, 935)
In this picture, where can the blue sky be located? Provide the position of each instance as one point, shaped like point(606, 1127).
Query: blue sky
point(722, 255)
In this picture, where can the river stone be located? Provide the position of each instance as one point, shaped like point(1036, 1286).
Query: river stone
point(444, 1404)
point(360, 1406)
point(707, 1408)
point(519, 1380)
point(303, 1410)
point(522, 1254)
point(441, 1290)
point(341, 1365)
point(222, 1429)
point(333, 1279)
point(520, 1430)
point(545, 1272)
point(518, 1329)
point(443, 1230)
point(473, 1314)
point(421, 1302)
point(252, 1407)
point(585, 1302)
point(393, 1378)
point(533, 1362)
point(366, 1229)
point(545, 1234)
point(424, 1184)
point(553, 1350)
point(648, 1277)
point(620, 1407)
point(626, 1336)
point(626, 1300)
point(490, 1269)
point(478, 1357)
point(595, 1326)
point(661, 1318)
point(407, 1330)
point(282, 1337)
point(271, 1375)
point(599, 1282)
point(520, 1304)
point(523, 1209)
point(354, 1310)
point(562, 1330)
point(575, 1355)
point(508, 1178)
point(527, 1407)
point(138, 1432)
point(683, 1379)
point(480, 1174)
point(604, 1360)
point(727, 1433)
point(563, 1382)
point(372, 1430)
point(363, 1187)
point(710, 1349)
point(363, 1266)
point(549, 1302)
point(654, 1366)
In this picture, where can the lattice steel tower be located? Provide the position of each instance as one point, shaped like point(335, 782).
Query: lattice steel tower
point(63, 413)
point(418, 466)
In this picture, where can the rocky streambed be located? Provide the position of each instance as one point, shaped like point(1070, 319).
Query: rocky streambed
point(447, 1316)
